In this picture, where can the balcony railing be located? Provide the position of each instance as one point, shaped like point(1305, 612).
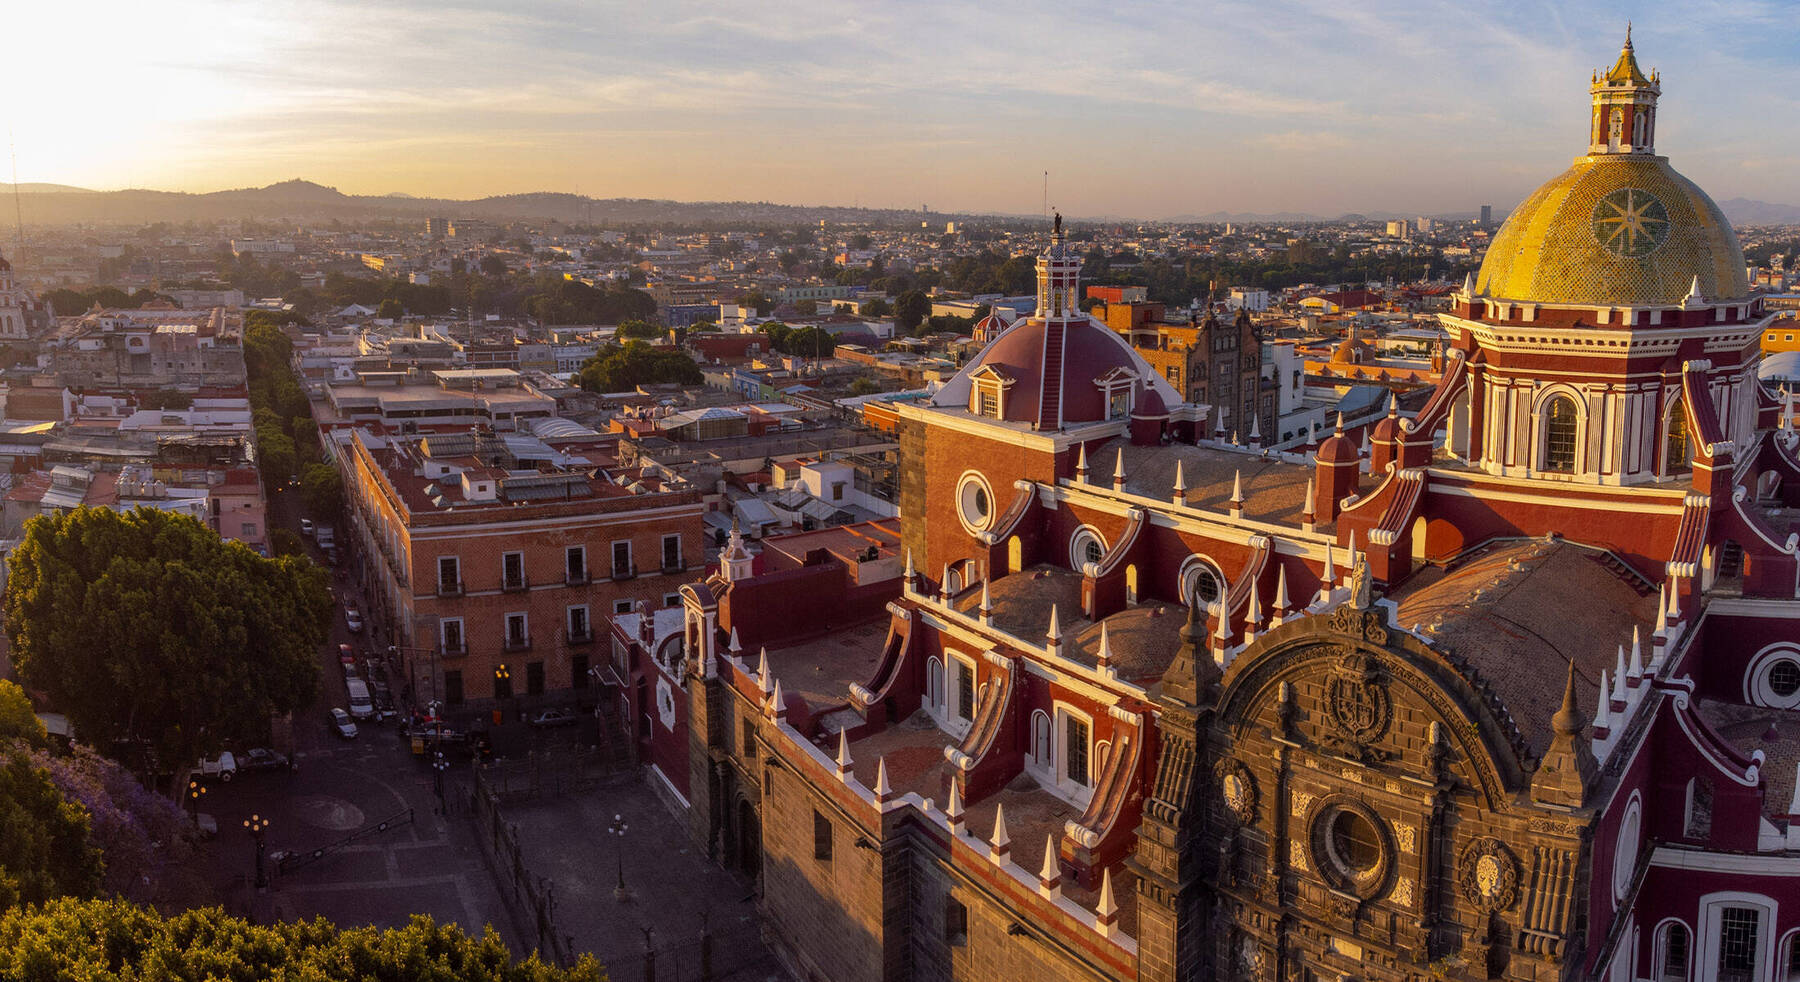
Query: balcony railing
point(449, 588)
point(515, 584)
point(576, 577)
point(583, 636)
point(672, 567)
point(624, 571)
point(456, 650)
point(517, 643)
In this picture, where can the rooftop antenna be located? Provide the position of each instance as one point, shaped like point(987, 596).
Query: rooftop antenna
point(1046, 196)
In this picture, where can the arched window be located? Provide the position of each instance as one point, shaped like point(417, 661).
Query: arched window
point(1559, 434)
point(1678, 450)
point(934, 684)
point(1698, 821)
point(1040, 738)
point(1672, 952)
point(1617, 129)
point(1788, 969)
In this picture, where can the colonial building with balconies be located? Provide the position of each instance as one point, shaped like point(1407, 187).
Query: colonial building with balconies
point(496, 573)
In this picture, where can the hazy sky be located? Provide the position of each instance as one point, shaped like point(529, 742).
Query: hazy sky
point(1147, 109)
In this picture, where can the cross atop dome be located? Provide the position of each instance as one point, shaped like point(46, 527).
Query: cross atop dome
point(1624, 117)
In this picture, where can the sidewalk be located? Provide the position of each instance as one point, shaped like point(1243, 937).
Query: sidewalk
point(672, 891)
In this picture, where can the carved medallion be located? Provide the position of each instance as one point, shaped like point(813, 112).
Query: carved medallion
point(1370, 625)
point(1489, 874)
point(1237, 787)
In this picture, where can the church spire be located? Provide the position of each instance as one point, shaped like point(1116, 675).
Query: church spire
point(1568, 765)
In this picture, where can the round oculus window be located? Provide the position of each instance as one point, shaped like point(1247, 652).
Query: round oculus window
point(974, 503)
point(1354, 845)
point(1784, 677)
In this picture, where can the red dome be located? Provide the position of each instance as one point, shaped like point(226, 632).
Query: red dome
point(988, 327)
point(1090, 352)
point(1388, 430)
point(1337, 449)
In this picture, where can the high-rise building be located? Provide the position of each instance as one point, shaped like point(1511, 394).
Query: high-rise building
point(1487, 215)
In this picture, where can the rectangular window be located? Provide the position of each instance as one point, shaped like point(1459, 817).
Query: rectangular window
point(671, 600)
point(956, 922)
point(502, 682)
point(1737, 943)
point(990, 402)
point(671, 553)
point(965, 691)
point(575, 563)
point(578, 671)
point(1675, 953)
point(453, 693)
point(621, 607)
point(578, 624)
point(450, 631)
point(748, 747)
point(837, 490)
point(517, 634)
point(449, 575)
point(1075, 750)
point(621, 559)
point(534, 678)
point(512, 570)
point(821, 837)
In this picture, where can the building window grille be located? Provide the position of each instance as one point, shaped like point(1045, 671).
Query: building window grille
point(1559, 435)
point(1737, 943)
point(1675, 954)
point(965, 691)
point(1678, 450)
point(1076, 750)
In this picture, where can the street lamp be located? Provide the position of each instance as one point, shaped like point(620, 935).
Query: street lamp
point(617, 829)
point(196, 791)
point(438, 766)
point(256, 825)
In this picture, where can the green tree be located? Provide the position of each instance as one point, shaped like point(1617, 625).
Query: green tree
point(492, 265)
point(115, 941)
point(617, 369)
point(758, 301)
point(806, 308)
point(276, 455)
point(390, 309)
point(149, 631)
point(911, 309)
point(864, 387)
point(877, 308)
point(285, 543)
point(18, 722)
point(640, 330)
point(322, 491)
point(44, 850)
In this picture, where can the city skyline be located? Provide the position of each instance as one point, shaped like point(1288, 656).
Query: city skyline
point(1152, 112)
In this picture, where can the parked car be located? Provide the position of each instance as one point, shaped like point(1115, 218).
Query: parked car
point(224, 767)
point(361, 706)
point(554, 717)
point(263, 759)
point(346, 655)
point(353, 619)
point(343, 724)
point(306, 527)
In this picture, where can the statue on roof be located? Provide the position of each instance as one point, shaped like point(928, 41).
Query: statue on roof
point(1059, 223)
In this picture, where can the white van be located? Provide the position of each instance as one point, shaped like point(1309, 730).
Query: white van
point(361, 706)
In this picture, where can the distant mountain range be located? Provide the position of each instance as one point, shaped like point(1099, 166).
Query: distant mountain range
point(298, 200)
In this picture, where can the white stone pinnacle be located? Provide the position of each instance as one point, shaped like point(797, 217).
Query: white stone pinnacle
point(1055, 633)
point(999, 841)
point(1050, 877)
point(1603, 715)
point(883, 790)
point(762, 672)
point(1281, 595)
point(843, 757)
point(1637, 654)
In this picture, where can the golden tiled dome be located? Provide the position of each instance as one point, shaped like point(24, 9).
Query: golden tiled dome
point(1615, 229)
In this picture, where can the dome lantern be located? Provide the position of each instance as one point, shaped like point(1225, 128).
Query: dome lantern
point(1624, 116)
